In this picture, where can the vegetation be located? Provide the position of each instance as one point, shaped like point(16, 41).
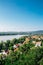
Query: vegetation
point(27, 54)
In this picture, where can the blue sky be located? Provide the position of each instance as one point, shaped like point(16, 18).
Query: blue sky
point(21, 15)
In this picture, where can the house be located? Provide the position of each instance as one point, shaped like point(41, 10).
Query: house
point(38, 43)
point(41, 37)
point(17, 45)
point(16, 49)
point(4, 53)
point(7, 51)
point(26, 40)
point(20, 44)
point(35, 37)
point(34, 42)
point(14, 46)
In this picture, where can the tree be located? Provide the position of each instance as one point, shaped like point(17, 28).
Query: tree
point(1, 46)
point(41, 62)
point(22, 39)
point(14, 41)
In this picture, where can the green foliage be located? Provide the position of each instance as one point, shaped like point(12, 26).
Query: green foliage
point(26, 47)
point(15, 41)
point(41, 62)
point(42, 43)
point(33, 56)
point(1, 46)
point(26, 54)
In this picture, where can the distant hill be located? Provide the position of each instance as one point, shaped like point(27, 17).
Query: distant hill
point(22, 33)
point(37, 32)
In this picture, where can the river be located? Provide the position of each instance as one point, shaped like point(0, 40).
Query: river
point(10, 37)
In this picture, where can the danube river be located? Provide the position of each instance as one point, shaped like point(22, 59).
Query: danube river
point(10, 37)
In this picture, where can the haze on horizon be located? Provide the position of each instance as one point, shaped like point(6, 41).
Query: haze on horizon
point(21, 15)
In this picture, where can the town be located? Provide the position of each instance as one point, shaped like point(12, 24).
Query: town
point(13, 50)
point(36, 40)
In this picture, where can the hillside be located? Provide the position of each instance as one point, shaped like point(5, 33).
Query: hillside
point(21, 52)
point(22, 33)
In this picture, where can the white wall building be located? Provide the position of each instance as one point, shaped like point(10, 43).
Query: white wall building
point(38, 44)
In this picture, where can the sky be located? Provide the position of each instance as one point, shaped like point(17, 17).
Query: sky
point(21, 15)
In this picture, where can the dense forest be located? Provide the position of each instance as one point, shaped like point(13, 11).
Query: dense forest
point(26, 54)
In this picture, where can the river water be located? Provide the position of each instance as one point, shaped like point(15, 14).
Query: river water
point(9, 37)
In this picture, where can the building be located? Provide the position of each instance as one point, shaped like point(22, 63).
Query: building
point(14, 46)
point(38, 43)
point(35, 37)
point(26, 40)
point(34, 42)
